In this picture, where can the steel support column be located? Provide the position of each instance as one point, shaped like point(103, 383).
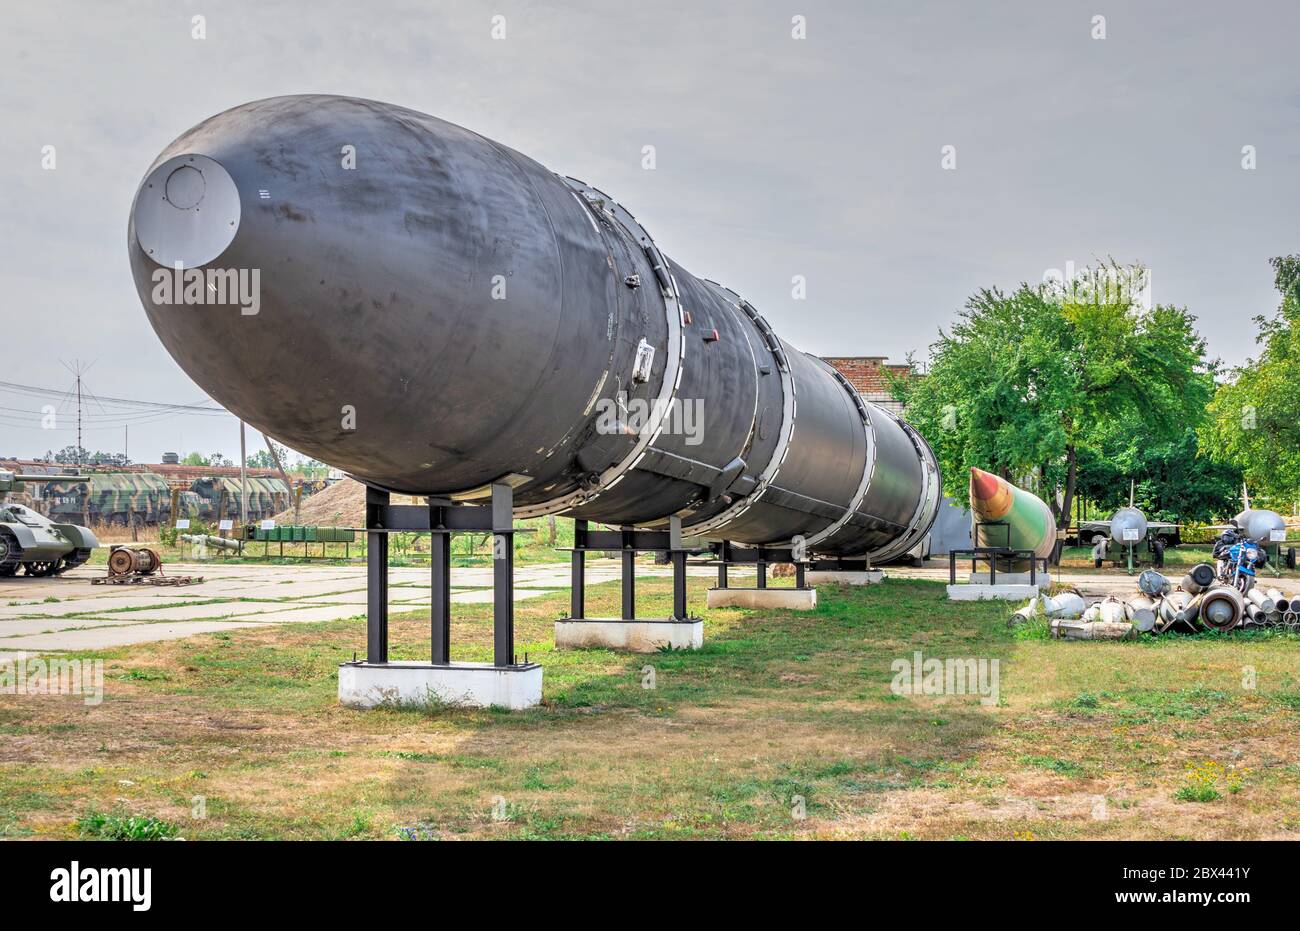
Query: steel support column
point(629, 576)
point(578, 576)
point(440, 591)
point(376, 577)
point(503, 576)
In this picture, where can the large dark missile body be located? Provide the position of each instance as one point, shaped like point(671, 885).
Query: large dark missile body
point(448, 314)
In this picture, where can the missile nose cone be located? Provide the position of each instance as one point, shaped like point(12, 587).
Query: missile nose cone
point(983, 485)
point(187, 210)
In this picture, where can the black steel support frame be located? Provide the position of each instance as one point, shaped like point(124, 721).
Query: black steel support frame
point(760, 557)
point(991, 555)
point(628, 542)
point(440, 518)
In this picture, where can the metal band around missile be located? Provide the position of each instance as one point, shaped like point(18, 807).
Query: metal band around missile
point(927, 502)
point(789, 411)
point(601, 204)
point(868, 467)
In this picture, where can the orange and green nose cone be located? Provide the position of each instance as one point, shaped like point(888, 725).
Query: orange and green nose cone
point(1027, 522)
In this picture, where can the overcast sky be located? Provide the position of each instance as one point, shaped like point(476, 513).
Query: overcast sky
point(775, 157)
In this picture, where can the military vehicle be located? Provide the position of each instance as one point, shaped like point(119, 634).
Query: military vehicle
point(1267, 528)
point(33, 542)
point(1118, 539)
point(111, 498)
point(219, 497)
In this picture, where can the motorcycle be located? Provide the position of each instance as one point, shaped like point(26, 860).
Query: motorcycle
point(1236, 559)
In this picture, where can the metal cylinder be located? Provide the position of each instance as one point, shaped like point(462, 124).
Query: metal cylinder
point(221, 543)
point(1171, 607)
point(449, 314)
point(1199, 578)
point(1280, 601)
point(1153, 583)
point(1262, 600)
point(1063, 605)
point(1140, 611)
point(1222, 608)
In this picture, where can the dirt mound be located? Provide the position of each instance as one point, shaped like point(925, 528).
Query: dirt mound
point(342, 504)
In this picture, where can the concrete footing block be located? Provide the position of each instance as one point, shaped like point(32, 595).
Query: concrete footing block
point(784, 599)
point(635, 636)
point(1011, 578)
point(976, 592)
point(467, 685)
point(838, 577)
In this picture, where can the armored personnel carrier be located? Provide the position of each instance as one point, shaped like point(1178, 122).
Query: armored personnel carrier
point(33, 542)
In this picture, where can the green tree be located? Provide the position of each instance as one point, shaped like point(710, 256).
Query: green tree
point(1025, 381)
point(1254, 418)
point(195, 459)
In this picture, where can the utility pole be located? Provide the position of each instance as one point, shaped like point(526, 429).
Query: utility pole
point(79, 414)
point(243, 478)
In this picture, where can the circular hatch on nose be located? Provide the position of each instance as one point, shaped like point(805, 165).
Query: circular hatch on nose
point(186, 211)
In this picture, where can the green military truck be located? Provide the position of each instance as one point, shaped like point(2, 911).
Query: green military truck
point(219, 497)
point(110, 499)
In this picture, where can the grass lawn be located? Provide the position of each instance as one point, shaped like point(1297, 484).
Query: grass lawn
point(783, 726)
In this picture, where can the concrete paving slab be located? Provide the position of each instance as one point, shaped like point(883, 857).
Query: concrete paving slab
point(109, 637)
point(198, 612)
point(102, 602)
point(312, 614)
point(41, 625)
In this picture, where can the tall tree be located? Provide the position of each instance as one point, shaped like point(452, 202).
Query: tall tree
point(1255, 415)
point(1025, 381)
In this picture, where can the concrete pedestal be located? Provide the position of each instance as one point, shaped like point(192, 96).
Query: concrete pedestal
point(976, 592)
point(467, 685)
point(840, 577)
point(635, 636)
point(783, 599)
point(1011, 578)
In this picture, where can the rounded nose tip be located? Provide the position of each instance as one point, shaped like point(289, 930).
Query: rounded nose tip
point(187, 211)
point(983, 484)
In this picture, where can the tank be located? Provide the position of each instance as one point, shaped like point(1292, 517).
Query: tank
point(35, 543)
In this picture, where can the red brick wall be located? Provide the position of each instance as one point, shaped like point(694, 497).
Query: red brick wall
point(864, 372)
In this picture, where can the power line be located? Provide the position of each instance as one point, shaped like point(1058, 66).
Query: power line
point(210, 407)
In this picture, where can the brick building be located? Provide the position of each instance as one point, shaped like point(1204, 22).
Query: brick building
point(867, 374)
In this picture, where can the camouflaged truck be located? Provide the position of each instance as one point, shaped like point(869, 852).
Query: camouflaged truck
point(34, 543)
point(111, 499)
point(220, 497)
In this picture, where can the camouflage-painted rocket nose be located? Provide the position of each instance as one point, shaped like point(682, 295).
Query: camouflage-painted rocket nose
point(990, 496)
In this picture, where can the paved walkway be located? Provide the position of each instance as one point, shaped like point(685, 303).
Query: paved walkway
point(69, 613)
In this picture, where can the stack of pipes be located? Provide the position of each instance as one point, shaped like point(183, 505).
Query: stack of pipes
point(1200, 602)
